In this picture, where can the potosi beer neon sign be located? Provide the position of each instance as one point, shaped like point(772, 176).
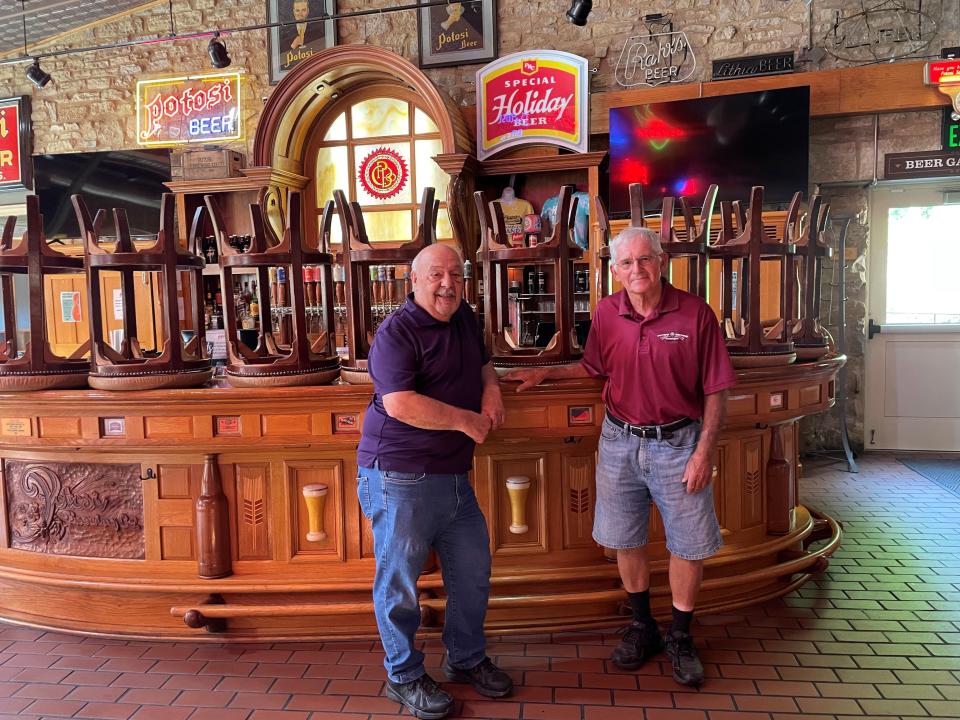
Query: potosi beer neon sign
point(191, 109)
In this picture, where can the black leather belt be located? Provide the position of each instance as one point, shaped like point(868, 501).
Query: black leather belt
point(650, 431)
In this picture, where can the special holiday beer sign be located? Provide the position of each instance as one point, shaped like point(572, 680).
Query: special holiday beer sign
point(538, 96)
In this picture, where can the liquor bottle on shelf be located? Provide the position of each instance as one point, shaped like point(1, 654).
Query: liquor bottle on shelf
point(468, 281)
point(285, 319)
point(254, 307)
point(272, 274)
point(391, 284)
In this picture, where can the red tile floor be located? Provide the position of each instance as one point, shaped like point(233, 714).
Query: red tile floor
point(876, 636)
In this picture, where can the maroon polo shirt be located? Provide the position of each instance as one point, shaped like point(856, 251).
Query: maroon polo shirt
point(412, 350)
point(657, 368)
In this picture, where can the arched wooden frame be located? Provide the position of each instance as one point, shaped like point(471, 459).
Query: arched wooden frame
point(315, 142)
point(305, 93)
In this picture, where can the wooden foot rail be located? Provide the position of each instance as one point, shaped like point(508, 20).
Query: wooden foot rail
point(212, 613)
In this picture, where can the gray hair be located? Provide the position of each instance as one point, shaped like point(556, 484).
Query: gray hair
point(415, 266)
point(634, 233)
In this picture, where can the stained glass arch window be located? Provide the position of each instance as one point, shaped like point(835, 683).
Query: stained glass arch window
point(384, 125)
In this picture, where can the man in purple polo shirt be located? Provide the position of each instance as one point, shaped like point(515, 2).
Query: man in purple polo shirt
point(435, 395)
point(667, 374)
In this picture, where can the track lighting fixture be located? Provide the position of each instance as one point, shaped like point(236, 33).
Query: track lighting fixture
point(578, 12)
point(36, 75)
point(218, 52)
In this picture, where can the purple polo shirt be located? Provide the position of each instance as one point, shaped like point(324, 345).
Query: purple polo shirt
point(442, 360)
point(657, 368)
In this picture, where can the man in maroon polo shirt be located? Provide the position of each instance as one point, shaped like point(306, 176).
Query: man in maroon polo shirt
point(436, 395)
point(667, 374)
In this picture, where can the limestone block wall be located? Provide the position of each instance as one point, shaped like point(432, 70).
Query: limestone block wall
point(90, 105)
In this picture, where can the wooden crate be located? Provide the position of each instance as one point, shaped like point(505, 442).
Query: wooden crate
point(206, 164)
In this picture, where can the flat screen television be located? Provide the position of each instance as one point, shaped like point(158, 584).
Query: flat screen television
point(736, 141)
point(131, 179)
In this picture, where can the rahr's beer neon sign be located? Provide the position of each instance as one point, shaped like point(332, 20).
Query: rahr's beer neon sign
point(194, 109)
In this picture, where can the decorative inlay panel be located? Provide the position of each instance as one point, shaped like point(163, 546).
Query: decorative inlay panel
point(172, 426)
point(720, 481)
point(60, 427)
point(317, 472)
point(532, 466)
point(286, 425)
point(253, 537)
point(579, 496)
point(812, 395)
point(81, 509)
point(751, 496)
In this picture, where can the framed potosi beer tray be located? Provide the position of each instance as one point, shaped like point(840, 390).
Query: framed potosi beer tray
point(458, 33)
point(289, 45)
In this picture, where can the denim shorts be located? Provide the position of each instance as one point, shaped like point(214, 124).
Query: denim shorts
point(632, 472)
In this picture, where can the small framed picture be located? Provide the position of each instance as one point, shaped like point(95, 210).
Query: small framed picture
point(346, 423)
point(113, 427)
point(458, 33)
point(297, 40)
point(579, 415)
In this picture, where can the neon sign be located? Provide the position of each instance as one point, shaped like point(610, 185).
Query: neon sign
point(189, 109)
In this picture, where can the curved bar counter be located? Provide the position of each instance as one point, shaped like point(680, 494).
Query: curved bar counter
point(232, 513)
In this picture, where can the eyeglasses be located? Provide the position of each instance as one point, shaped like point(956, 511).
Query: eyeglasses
point(643, 260)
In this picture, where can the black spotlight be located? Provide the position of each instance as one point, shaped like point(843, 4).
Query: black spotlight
point(218, 52)
point(36, 75)
point(578, 12)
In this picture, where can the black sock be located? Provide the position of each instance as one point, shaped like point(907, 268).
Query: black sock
point(640, 603)
point(681, 621)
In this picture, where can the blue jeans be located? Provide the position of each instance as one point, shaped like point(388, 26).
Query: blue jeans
point(410, 513)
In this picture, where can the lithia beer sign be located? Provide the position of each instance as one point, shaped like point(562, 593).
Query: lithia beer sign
point(538, 96)
point(194, 109)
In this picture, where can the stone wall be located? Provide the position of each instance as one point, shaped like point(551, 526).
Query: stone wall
point(90, 103)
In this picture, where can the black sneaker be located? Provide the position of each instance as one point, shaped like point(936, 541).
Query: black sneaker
point(687, 669)
point(640, 643)
point(486, 678)
point(422, 697)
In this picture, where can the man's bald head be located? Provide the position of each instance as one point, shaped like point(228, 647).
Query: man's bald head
point(437, 275)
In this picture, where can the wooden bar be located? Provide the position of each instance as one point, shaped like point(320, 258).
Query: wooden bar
point(172, 536)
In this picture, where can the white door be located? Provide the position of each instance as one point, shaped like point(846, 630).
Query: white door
point(913, 352)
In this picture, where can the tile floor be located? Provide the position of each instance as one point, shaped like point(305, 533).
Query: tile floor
point(876, 636)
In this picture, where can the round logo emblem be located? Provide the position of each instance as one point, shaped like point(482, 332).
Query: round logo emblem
point(383, 173)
